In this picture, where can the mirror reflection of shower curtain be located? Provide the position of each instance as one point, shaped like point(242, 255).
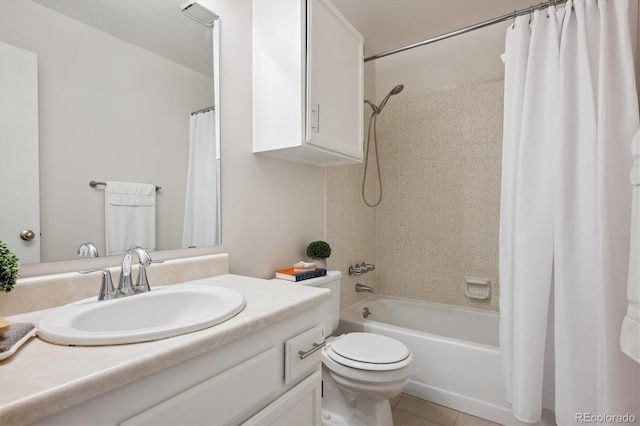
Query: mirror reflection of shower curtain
point(201, 204)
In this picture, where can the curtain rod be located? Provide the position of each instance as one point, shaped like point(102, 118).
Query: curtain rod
point(207, 109)
point(470, 28)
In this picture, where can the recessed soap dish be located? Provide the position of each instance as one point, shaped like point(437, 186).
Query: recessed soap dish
point(477, 288)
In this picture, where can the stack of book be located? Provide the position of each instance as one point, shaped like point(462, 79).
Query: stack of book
point(300, 271)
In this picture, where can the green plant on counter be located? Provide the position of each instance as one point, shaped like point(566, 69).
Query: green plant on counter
point(318, 250)
point(9, 267)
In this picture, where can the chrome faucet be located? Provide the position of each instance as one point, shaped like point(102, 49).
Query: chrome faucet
point(87, 249)
point(125, 285)
point(361, 288)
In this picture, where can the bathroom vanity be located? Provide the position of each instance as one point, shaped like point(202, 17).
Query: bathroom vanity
point(246, 370)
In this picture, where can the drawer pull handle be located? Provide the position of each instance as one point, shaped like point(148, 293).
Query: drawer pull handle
point(316, 347)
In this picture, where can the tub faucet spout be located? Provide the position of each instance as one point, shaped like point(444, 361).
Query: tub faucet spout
point(361, 288)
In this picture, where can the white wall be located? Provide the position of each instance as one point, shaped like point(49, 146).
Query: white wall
point(465, 57)
point(108, 110)
point(266, 225)
point(635, 27)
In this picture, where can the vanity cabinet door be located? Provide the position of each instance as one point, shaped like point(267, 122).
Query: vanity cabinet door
point(222, 399)
point(300, 406)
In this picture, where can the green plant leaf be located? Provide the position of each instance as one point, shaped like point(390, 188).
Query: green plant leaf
point(9, 267)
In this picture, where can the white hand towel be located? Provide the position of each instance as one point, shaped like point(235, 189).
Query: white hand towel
point(130, 216)
point(630, 334)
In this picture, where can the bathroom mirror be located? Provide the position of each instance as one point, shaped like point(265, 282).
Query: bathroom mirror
point(117, 82)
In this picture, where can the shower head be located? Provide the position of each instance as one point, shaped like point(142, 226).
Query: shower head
point(393, 91)
point(397, 89)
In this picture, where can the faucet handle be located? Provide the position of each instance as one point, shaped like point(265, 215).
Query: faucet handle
point(355, 270)
point(142, 283)
point(107, 290)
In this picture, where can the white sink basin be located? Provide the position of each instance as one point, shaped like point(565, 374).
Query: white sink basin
point(163, 312)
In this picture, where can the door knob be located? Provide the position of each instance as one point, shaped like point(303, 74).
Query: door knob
point(27, 235)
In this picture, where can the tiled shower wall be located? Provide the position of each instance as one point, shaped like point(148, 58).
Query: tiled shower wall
point(440, 155)
point(351, 229)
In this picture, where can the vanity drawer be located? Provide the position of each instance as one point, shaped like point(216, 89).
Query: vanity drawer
point(302, 353)
point(220, 399)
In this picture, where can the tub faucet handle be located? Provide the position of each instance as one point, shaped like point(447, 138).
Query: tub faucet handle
point(356, 270)
point(370, 266)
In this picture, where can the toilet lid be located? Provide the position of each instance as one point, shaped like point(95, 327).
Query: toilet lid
point(370, 348)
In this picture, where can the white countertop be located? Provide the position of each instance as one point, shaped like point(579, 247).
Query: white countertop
point(42, 378)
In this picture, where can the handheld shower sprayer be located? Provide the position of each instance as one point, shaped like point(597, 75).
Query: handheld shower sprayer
point(378, 109)
point(372, 120)
point(393, 91)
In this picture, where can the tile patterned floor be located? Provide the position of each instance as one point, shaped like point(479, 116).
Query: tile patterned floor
point(408, 410)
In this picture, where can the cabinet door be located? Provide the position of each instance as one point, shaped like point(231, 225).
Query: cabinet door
point(301, 406)
point(335, 81)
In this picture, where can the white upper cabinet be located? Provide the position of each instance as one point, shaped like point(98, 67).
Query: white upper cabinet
point(307, 83)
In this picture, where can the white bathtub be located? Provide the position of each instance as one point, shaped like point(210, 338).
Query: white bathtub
point(456, 360)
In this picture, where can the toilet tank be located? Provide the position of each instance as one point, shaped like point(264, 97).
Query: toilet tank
point(331, 308)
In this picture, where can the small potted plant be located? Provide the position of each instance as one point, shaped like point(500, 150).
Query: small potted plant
point(319, 251)
point(9, 267)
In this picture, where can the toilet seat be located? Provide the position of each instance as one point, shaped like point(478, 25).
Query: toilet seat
point(368, 351)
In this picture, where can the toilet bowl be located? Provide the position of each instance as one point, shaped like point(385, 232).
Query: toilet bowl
point(361, 372)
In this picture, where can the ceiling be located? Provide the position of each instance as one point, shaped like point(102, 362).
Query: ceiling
point(160, 27)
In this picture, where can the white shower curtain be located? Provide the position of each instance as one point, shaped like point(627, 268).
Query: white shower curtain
point(571, 110)
point(201, 204)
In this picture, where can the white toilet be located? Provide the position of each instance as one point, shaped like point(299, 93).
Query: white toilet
point(360, 371)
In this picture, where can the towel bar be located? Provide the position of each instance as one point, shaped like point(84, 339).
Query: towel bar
point(94, 183)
